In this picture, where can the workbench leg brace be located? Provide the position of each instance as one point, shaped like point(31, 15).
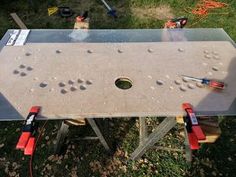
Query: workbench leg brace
point(142, 130)
point(64, 129)
point(146, 142)
point(188, 151)
point(61, 136)
point(98, 133)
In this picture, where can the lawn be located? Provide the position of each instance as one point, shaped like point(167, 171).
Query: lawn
point(88, 158)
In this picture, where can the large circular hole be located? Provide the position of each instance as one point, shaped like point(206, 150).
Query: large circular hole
point(123, 83)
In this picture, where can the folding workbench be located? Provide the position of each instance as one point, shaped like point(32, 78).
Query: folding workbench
point(92, 74)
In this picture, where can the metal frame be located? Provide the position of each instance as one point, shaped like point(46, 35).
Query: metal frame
point(146, 141)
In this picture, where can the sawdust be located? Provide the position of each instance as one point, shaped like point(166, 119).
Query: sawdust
point(162, 12)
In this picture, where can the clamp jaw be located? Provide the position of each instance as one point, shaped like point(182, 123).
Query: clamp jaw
point(179, 22)
point(26, 141)
point(194, 130)
point(82, 17)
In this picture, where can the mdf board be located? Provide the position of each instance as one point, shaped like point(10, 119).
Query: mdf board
point(72, 80)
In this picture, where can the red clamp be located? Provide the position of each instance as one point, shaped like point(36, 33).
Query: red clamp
point(179, 22)
point(82, 17)
point(26, 141)
point(194, 131)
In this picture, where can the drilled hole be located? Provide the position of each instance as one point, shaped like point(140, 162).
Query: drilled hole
point(23, 74)
point(123, 83)
point(71, 82)
point(80, 81)
point(22, 66)
point(64, 91)
point(16, 72)
point(27, 54)
point(43, 84)
point(160, 82)
point(62, 84)
point(150, 50)
point(89, 51)
point(29, 68)
point(119, 51)
point(73, 88)
point(89, 82)
point(82, 87)
point(58, 51)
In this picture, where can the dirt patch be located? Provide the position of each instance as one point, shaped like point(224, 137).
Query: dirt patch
point(162, 12)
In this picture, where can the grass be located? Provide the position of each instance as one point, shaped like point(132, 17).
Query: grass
point(36, 16)
point(89, 158)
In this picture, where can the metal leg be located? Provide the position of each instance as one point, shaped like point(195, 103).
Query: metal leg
point(188, 151)
point(61, 135)
point(166, 125)
point(98, 133)
point(142, 130)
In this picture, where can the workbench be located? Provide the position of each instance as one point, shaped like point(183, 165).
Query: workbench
point(92, 74)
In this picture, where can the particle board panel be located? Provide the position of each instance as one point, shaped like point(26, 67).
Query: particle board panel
point(73, 80)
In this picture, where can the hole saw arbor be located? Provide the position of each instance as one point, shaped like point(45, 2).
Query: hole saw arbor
point(73, 73)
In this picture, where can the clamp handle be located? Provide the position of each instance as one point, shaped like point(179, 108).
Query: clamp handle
point(180, 22)
point(29, 149)
point(23, 140)
point(26, 141)
point(194, 130)
point(193, 141)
